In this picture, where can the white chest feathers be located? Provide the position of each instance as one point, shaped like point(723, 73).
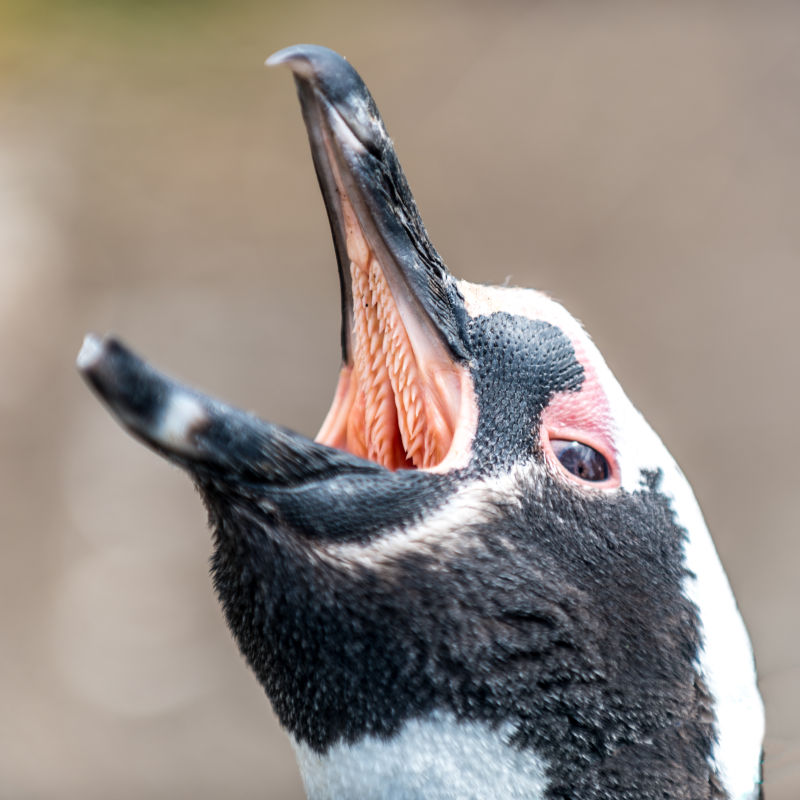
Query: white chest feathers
point(435, 758)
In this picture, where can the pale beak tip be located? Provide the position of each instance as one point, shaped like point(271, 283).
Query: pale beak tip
point(302, 59)
point(91, 352)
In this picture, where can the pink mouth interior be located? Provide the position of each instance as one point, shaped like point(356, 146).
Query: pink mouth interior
point(401, 401)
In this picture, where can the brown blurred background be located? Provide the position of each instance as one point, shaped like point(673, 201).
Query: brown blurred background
point(640, 161)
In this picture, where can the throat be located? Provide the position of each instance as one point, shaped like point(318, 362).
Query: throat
point(434, 758)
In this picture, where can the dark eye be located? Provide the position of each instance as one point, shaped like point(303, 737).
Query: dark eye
point(581, 460)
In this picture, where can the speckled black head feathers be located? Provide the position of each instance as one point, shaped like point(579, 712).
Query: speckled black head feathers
point(560, 614)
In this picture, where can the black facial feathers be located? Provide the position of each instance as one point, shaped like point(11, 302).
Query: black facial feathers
point(518, 365)
point(563, 616)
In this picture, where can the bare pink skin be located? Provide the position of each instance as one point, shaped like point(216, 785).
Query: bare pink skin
point(583, 416)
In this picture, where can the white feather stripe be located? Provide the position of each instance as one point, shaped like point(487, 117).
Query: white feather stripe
point(436, 758)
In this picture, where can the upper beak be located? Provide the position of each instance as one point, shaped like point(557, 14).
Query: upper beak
point(368, 201)
point(405, 393)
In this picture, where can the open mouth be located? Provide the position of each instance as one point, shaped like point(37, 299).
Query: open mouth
point(398, 401)
point(399, 398)
point(404, 398)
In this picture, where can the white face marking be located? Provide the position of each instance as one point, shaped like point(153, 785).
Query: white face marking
point(441, 530)
point(726, 658)
point(529, 303)
point(437, 758)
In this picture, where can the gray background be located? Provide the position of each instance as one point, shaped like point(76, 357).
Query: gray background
point(640, 161)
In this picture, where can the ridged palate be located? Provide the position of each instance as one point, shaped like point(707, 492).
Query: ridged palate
point(390, 416)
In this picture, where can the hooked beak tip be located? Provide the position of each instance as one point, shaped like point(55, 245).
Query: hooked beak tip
point(298, 58)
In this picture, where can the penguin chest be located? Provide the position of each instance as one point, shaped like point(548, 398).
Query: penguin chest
point(436, 758)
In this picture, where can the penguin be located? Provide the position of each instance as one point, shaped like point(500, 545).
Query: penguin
point(485, 577)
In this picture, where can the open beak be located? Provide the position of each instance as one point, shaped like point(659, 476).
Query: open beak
point(405, 396)
point(404, 390)
point(287, 487)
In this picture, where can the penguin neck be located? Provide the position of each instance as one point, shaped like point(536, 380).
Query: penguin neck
point(436, 757)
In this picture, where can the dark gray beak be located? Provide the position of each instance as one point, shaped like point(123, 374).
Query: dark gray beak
point(360, 175)
point(200, 433)
point(290, 483)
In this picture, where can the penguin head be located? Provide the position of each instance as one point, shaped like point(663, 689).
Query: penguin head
point(484, 536)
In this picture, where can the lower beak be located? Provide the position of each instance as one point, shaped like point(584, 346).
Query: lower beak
point(202, 434)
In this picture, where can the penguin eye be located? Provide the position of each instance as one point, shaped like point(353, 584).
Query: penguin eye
point(581, 460)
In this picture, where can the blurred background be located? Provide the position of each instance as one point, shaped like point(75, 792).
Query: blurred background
point(639, 161)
